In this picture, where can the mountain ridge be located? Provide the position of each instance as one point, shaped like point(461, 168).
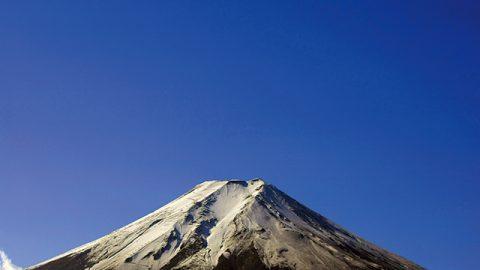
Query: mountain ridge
point(229, 224)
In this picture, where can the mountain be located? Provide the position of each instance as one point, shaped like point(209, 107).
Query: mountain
point(235, 225)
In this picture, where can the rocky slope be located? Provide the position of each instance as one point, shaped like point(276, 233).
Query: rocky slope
point(232, 225)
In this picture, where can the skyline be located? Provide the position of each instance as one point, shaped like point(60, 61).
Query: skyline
point(368, 113)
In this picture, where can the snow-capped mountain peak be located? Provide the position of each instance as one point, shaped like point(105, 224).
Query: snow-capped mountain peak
point(229, 225)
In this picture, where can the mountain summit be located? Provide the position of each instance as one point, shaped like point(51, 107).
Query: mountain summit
point(236, 225)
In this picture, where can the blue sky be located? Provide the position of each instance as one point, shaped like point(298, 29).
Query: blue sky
point(367, 112)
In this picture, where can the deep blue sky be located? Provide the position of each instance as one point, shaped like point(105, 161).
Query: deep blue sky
point(365, 111)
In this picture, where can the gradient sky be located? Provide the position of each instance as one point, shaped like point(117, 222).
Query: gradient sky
point(367, 112)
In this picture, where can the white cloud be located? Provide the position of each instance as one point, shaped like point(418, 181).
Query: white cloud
point(6, 263)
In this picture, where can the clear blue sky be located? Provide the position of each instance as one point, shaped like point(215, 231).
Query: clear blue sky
point(368, 112)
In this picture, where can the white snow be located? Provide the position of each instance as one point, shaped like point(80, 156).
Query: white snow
point(221, 218)
point(6, 263)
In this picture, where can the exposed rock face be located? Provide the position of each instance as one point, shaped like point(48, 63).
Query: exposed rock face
point(229, 225)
